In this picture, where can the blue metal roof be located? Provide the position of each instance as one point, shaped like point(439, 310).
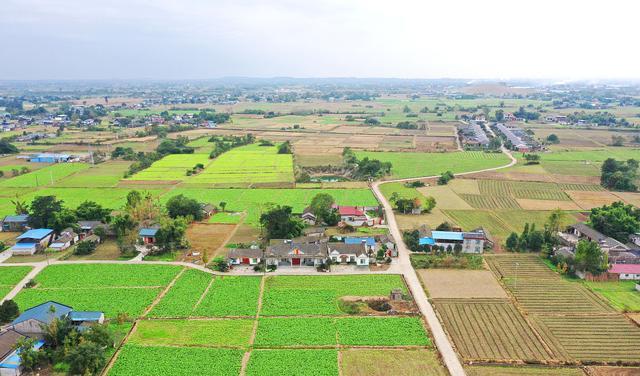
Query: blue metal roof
point(426, 241)
point(16, 218)
point(44, 313)
point(148, 232)
point(23, 245)
point(85, 315)
point(358, 240)
point(446, 235)
point(13, 360)
point(39, 233)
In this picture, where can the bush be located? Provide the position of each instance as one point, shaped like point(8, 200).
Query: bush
point(86, 248)
point(350, 308)
point(8, 311)
point(219, 264)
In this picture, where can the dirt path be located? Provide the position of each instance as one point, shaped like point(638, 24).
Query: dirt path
point(162, 294)
point(247, 355)
point(231, 234)
point(31, 275)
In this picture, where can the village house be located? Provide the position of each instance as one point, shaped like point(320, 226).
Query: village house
point(369, 242)
point(9, 357)
point(635, 238)
point(308, 217)
point(581, 231)
point(208, 210)
point(15, 223)
point(354, 216)
point(289, 253)
point(50, 158)
point(88, 227)
point(66, 239)
point(625, 271)
point(245, 256)
point(32, 241)
point(471, 241)
point(30, 323)
point(508, 117)
point(83, 320)
point(348, 253)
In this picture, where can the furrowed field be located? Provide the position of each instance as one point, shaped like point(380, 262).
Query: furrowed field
point(173, 167)
point(306, 335)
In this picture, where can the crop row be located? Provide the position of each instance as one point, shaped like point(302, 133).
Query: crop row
point(181, 299)
point(490, 202)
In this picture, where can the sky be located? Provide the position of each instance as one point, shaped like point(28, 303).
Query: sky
point(204, 39)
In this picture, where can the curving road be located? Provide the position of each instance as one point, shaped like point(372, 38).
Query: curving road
point(442, 342)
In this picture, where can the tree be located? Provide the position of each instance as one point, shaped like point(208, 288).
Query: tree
point(279, 223)
point(219, 264)
point(495, 143)
point(43, 210)
point(511, 243)
point(322, 207)
point(122, 224)
point(21, 207)
point(7, 148)
point(429, 204)
point(285, 148)
point(222, 205)
point(445, 178)
point(171, 233)
point(444, 226)
point(617, 140)
point(619, 176)
point(8, 311)
point(100, 335)
point(553, 139)
point(29, 356)
point(134, 198)
point(63, 219)
point(532, 158)
point(499, 115)
point(406, 109)
point(86, 358)
point(92, 211)
point(182, 206)
point(616, 220)
point(86, 247)
point(590, 258)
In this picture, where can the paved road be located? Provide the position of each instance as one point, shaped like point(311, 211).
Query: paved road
point(440, 337)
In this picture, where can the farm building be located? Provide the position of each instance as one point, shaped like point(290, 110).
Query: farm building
point(354, 216)
point(625, 271)
point(15, 223)
point(87, 227)
point(369, 242)
point(50, 158)
point(472, 134)
point(581, 231)
point(9, 357)
point(31, 321)
point(245, 256)
point(308, 217)
point(471, 242)
point(66, 239)
point(208, 210)
point(519, 140)
point(148, 235)
point(348, 253)
point(32, 241)
point(84, 319)
point(297, 254)
point(635, 238)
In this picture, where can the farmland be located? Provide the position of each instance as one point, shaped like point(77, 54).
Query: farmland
point(317, 336)
point(10, 277)
point(44, 176)
point(409, 164)
point(622, 295)
point(172, 167)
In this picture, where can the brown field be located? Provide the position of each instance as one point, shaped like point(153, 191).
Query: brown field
point(244, 234)
point(445, 197)
point(459, 284)
point(613, 371)
point(433, 219)
point(629, 198)
point(603, 338)
point(529, 204)
point(491, 330)
point(365, 362)
point(588, 200)
point(107, 250)
point(210, 238)
point(467, 186)
point(519, 370)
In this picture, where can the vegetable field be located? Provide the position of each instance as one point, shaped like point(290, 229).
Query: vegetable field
point(10, 276)
point(44, 176)
point(171, 167)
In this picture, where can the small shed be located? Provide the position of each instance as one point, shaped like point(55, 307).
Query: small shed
point(148, 235)
point(15, 223)
point(84, 319)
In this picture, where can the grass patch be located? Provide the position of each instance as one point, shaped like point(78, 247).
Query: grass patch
point(206, 333)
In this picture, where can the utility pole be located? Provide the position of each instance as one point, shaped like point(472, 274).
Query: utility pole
point(516, 283)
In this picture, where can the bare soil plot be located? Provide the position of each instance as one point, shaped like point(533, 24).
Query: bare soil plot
point(454, 283)
point(491, 330)
point(433, 219)
point(205, 237)
point(530, 204)
point(245, 234)
point(613, 371)
point(526, 266)
point(366, 362)
point(107, 250)
point(628, 197)
point(588, 200)
point(465, 186)
point(445, 197)
point(594, 338)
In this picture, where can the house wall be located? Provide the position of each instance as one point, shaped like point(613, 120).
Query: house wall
point(29, 327)
point(472, 246)
point(627, 276)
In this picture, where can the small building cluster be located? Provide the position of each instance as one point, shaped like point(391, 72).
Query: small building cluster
point(354, 216)
point(519, 139)
point(473, 135)
point(624, 259)
point(315, 251)
point(32, 323)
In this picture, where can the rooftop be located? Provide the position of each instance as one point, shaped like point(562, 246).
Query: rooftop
point(148, 232)
point(85, 315)
point(44, 312)
point(625, 269)
point(39, 233)
point(16, 218)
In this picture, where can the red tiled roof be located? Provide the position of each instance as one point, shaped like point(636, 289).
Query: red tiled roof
point(349, 210)
point(625, 269)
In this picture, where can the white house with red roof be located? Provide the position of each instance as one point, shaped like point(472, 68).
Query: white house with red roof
point(626, 271)
point(354, 216)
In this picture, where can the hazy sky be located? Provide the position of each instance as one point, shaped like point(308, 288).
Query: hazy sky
point(66, 39)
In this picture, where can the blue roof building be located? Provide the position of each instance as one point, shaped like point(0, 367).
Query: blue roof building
point(370, 241)
point(32, 241)
point(37, 234)
point(44, 313)
point(50, 158)
point(148, 232)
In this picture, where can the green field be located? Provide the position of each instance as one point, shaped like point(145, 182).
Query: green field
point(230, 296)
point(314, 295)
point(406, 165)
point(111, 288)
point(293, 363)
point(106, 174)
point(622, 295)
point(135, 360)
point(45, 176)
point(181, 299)
point(247, 165)
point(172, 167)
point(206, 333)
point(10, 276)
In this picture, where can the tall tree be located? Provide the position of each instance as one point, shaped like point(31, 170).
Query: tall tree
point(590, 258)
point(279, 223)
point(43, 210)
